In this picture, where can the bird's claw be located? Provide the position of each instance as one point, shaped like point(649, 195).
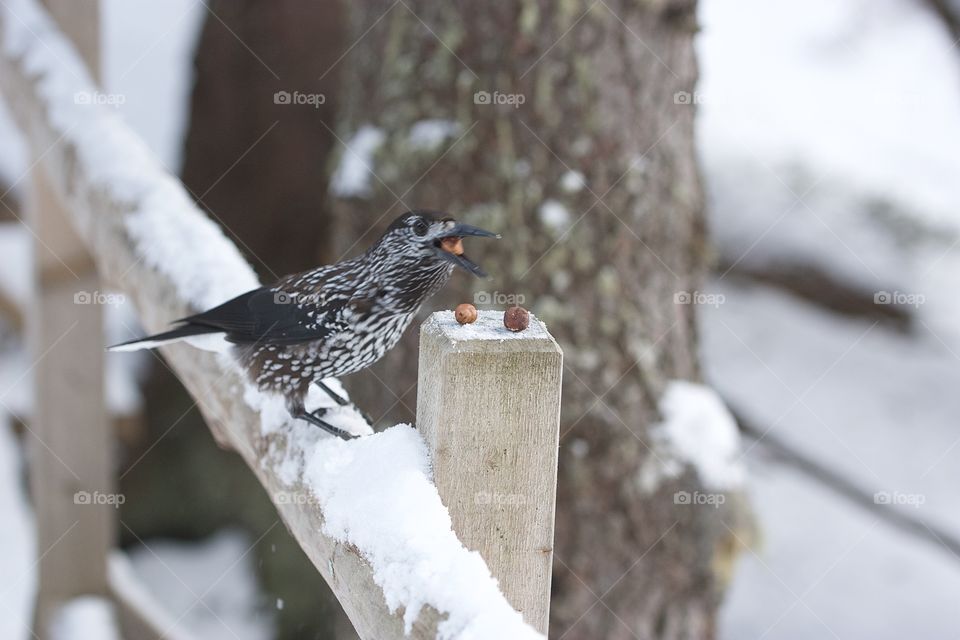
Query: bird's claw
point(343, 402)
point(316, 420)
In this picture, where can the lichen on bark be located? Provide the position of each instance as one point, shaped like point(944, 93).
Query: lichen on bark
point(592, 87)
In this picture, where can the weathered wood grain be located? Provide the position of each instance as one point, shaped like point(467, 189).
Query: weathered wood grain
point(488, 406)
point(69, 439)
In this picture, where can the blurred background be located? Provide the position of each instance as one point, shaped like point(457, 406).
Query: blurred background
point(820, 301)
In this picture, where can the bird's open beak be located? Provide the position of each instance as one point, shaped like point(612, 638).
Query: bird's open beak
point(450, 246)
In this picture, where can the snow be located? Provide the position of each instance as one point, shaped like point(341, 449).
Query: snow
point(834, 149)
point(176, 239)
point(572, 181)
point(555, 215)
point(697, 430)
point(15, 249)
point(871, 402)
point(840, 156)
point(489, 326)
point(16, 385)
point(84, 617)
point(826, 570)
point(428, 135)
point(13, 154)
point(352, 176)
point(274, 416)
point(861, 90)
point(125, 581)
point(769, 224)
point(148, 59)
point(208, 588)
point(17, 541)
point(405, 532)
point(376, 494)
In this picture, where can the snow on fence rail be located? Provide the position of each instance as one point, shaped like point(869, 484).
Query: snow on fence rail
point(366, 512)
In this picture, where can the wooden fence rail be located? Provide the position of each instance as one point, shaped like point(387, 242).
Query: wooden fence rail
point(149, 241)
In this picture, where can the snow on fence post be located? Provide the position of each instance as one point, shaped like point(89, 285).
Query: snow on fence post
point(488, 406)
point(71, 471)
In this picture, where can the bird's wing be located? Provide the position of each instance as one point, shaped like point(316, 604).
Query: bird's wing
point(275, 315)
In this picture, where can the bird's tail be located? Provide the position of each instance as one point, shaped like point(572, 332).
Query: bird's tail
point(150, 342)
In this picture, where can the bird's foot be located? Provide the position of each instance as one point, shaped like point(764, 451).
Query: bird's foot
point(343, 402)
point(336, 397)
point(316, 420)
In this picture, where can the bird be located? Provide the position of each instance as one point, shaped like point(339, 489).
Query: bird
point(335, 319)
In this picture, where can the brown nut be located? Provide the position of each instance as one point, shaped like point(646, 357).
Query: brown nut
point(452, 245)
point(516, 318)
point(465, 313)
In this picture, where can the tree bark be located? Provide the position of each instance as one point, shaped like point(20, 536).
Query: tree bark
point(257, 164)
point(598, 84)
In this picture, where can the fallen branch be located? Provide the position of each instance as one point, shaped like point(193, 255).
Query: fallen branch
point(846, 488)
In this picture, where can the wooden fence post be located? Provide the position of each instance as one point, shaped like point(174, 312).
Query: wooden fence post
point(71, 471)
point(488, 406)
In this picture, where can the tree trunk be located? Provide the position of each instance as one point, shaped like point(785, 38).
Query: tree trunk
point(254, 161)
point(570, 87)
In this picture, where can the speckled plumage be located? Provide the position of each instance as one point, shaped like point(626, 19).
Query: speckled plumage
point(359, 308)
point(337, 319)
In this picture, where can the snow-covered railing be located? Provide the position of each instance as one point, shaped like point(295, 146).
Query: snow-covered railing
point(366, 512)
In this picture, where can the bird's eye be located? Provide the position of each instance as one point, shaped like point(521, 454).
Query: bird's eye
point(420, 228)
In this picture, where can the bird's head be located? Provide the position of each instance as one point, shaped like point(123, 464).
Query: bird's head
point(432, 236)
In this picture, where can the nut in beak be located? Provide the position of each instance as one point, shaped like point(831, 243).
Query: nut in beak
point(452, 244)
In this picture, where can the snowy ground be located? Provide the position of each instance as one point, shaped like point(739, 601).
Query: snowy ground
point(17, 547)
point(834, 149)
point(209, 589)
